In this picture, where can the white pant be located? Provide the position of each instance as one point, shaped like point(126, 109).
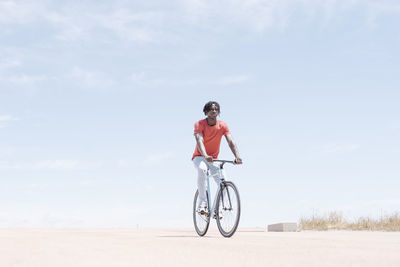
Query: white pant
point(202, 166)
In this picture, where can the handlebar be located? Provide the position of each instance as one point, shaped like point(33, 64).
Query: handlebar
point(224, 161)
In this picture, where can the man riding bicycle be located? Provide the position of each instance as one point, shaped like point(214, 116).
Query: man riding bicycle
point(208, 133)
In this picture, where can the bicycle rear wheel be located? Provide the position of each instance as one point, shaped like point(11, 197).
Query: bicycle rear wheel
point(201, 221)
point(228, 209)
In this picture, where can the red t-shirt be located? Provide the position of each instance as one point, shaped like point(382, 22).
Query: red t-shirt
point(211, 135)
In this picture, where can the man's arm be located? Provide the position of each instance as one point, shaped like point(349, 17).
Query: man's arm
point(234, 148)
point(202, 148)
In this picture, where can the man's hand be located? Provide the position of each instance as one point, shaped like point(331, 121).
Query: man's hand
point(208, 158)
point(238, 161)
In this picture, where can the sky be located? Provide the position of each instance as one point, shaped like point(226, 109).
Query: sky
point(98, 100)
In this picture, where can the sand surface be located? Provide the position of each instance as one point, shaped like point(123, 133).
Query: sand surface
point(182, 247)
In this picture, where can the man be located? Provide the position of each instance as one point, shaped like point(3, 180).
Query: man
point(208, 133)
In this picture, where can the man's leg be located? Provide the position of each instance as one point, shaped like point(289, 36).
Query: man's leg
point(214, 170)
point(201, 166)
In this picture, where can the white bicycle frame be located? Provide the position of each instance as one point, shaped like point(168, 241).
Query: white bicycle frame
point(221, 174)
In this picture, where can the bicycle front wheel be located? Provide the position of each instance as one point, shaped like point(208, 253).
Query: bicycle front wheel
point(228, 209)
point(201, 221)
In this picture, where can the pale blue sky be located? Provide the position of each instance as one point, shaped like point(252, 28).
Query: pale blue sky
point(98, 100)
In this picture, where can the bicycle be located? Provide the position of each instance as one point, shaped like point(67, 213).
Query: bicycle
point(225, 209)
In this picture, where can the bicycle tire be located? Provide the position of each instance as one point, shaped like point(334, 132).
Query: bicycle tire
point(201, 222)
point(228, 209)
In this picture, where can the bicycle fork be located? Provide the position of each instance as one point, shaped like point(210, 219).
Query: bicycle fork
point(212, 212)
point(223, 186)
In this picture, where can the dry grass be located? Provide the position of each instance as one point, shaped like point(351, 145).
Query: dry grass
point(335, 221)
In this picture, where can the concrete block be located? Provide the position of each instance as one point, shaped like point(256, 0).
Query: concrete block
point(282, 227)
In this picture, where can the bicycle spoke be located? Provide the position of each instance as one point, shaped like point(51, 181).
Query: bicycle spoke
point(228, 210)
point(201, 221)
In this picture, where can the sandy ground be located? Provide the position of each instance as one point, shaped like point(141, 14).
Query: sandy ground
point(182, 247)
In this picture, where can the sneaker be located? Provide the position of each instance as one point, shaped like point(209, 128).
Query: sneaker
point(202, 209)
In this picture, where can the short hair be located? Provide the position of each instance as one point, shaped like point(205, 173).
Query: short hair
point(208, 105)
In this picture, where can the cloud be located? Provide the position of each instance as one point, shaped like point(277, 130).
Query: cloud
point(337, 148)
point(138, 77)
point(395, 125)
point(56, 164)
point(124, 163)
point(125, 24)
point(91, 78)
point(262, 15)
point(6, 119)
point(10, 71)
point(157, 158)
point(85, 21)
point(9, 63)
point(24, 79)
point(66, 165)
point(139, 26)
point(148, 187)
point(127, 163)
point(253, 15)
point(70, 27)
point(376, 9)
point(228, 80)
point(20, 12)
